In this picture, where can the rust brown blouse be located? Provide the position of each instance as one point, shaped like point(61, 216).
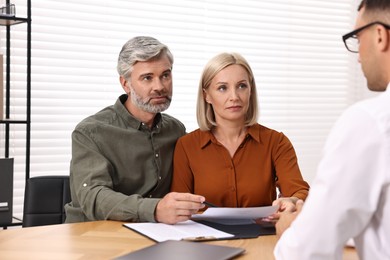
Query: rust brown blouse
point(265, 160)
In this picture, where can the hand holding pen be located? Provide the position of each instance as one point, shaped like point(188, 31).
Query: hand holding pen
point(210, 205)
point(177, 207)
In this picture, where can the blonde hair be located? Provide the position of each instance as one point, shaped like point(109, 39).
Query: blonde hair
point(204, 111)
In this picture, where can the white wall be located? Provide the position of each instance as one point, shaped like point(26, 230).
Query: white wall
point(305, 76)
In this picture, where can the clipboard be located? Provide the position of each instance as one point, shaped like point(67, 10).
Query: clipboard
point(187, 231)
point(201, 230)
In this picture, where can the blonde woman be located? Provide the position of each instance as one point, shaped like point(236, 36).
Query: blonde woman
point(232, 160)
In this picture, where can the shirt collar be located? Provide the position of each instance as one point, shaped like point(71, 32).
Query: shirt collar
point(207, 137)
point(128, 117)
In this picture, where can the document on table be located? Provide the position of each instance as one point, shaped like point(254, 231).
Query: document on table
point(250, 213)
point(188, 230)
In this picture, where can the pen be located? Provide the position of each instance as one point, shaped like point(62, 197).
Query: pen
point(200, 238)
point(209, 204)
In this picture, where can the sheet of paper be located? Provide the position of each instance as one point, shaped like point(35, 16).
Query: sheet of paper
point(188, 230)
point(236, 213)
point(350, 243)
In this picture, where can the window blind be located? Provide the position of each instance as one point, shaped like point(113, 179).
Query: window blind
point(305, 76)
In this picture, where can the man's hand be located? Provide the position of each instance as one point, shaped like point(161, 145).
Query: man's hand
point(285, 204)
point(286, 218)
point(177, 207)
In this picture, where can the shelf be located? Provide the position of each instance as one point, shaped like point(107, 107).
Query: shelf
point(9, 121)
point(11, 20)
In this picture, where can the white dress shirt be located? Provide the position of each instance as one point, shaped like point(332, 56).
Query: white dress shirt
point(350, 196)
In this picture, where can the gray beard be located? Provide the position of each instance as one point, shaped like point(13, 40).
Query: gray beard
point(146, 106)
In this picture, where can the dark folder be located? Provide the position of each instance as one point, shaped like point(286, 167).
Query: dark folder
point(6, 190)
point(179, 250)
point(243, 230)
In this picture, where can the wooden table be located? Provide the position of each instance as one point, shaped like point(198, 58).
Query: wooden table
point(106, 240)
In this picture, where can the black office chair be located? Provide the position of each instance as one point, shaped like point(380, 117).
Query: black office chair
point(44, 200)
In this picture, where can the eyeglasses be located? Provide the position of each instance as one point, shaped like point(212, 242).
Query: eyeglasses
point(351, 40)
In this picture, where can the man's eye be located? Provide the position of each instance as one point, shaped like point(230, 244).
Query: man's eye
point(147, 78)
point(166, 75)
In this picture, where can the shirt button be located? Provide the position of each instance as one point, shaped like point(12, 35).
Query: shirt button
point(159, 177)
point(156, 155)
point(84, 185)
point(150, 196)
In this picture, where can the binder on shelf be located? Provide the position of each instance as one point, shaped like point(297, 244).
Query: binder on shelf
point(6, 190)
point(1, 88)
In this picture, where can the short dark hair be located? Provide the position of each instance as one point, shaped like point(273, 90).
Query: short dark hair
point(374, 5)
point(376, 10)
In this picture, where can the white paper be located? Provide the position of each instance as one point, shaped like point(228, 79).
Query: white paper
point(236, 213)
point(188, 230)
point(350, 243)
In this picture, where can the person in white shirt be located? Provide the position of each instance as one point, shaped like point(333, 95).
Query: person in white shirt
point(350, 196)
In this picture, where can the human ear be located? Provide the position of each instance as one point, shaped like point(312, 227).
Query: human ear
point(205, 96)
point(383, 39)
point(124, 84)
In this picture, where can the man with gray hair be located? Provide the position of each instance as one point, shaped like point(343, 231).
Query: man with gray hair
point(121, 165)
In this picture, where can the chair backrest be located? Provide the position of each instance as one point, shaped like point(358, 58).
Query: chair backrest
point(44, 200)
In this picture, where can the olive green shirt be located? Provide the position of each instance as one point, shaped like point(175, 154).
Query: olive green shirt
point(120, 168)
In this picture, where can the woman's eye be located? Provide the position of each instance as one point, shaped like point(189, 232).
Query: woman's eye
point(222, 88)
point(242, 85)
